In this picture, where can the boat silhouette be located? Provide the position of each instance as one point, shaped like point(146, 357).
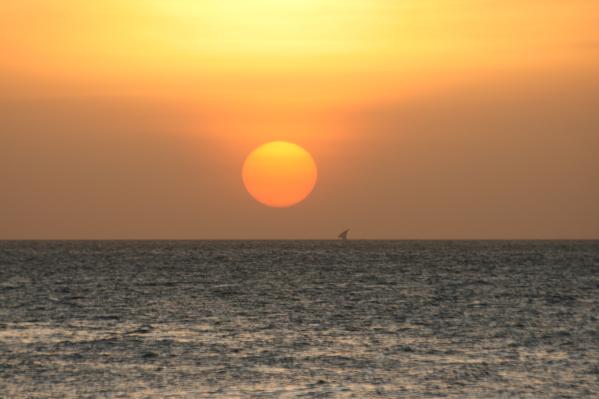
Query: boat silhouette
point(343, 235)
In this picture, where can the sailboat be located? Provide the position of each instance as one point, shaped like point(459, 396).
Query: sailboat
point(343, 235)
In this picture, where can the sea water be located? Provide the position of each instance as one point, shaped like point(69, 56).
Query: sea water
point(307, 319)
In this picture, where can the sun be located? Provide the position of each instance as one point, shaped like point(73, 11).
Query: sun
point(279, 174)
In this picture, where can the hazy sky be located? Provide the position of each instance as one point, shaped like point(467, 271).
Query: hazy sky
point(427, 118)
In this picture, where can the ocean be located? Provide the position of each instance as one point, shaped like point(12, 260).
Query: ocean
point(299, 319)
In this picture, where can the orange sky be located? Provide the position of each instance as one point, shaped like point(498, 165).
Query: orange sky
point(428, 119)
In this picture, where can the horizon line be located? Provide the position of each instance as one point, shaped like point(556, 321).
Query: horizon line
point(297, 239)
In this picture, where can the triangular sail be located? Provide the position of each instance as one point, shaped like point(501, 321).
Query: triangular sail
point(343, 235)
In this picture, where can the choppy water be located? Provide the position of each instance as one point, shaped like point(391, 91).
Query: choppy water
point(299, 319)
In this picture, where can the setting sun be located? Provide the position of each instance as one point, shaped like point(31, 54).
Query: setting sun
point(279, 174)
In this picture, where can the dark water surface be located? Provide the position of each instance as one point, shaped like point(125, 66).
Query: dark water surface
point(306, 319)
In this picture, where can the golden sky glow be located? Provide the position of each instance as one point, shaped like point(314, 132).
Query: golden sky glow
point(394, 98)
point(287, 57)
point(190, 41)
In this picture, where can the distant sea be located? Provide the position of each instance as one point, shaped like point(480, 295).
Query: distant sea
point(299, 319)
